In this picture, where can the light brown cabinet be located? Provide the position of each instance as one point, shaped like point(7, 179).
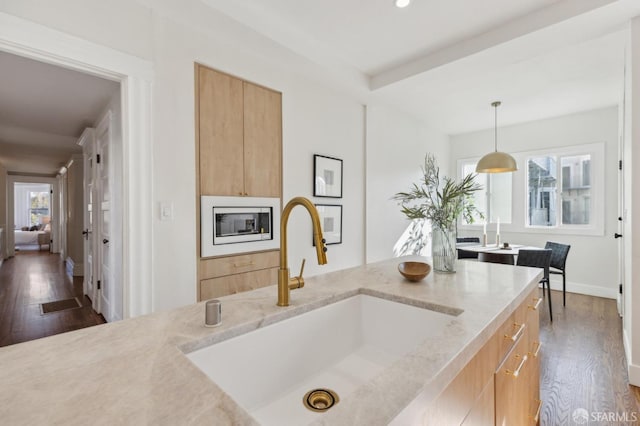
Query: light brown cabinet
point(512, 381)
point(240, 136)
point(233, 274)
point(239, 154)
point(501, 383)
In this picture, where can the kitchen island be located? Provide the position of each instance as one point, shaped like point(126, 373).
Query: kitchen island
point(135, 371)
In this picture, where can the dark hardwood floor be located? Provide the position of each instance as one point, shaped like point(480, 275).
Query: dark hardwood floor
point(29, 279)
point(583, 363)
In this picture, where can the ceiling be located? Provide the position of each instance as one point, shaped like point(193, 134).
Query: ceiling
point(43, 110)
point(441, 61)
point(445, 61)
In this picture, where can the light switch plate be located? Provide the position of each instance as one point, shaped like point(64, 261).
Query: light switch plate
point(166, 211)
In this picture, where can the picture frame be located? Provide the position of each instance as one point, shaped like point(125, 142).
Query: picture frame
point(331, 222)
point(327, 176)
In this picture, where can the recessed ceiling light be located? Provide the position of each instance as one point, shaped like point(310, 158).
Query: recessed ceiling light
point(402, 3)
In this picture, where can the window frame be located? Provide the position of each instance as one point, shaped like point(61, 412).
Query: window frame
point(520, 197)
point(32, 209)
point(487, 191)
point(597, 162)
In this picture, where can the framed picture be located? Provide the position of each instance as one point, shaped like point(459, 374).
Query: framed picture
point(327, 177)
point(331, 222)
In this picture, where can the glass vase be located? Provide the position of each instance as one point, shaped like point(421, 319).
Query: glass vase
point(443, 249)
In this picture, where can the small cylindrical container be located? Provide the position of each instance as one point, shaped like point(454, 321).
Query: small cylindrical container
point(213, 313)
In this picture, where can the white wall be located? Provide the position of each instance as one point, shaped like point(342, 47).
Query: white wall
point(316, 119)
point(396, 146)
point(320, 115)
point(122, 24)
point(631, 230)
point(592, 262)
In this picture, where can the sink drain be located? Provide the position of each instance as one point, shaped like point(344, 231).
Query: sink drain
point(320, 400)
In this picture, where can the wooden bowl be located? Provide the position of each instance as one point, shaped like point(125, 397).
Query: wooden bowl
point(414, 271)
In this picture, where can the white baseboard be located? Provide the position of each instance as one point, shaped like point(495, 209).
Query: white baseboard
point(632, 369)
point(588, 289)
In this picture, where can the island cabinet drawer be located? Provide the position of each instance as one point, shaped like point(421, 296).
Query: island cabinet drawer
point(519, 323)
point(232, 284)
point(513, 384)
point(535, 348)
point(534, 304)
point(230, 265)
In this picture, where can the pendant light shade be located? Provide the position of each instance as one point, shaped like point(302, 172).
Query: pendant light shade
point(496, 162)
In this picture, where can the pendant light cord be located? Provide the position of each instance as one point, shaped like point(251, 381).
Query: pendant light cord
point(496, 104)
point(496, 132)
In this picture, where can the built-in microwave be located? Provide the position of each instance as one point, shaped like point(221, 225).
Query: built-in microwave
point(232, 225)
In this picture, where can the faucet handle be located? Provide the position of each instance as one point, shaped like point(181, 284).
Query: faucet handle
point(302, 268)
point(297, 282)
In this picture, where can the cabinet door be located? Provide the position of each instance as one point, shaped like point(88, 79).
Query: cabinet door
point(533, 324)
point(483, 411)
point(220, 124)
point(231, 265)
point(512, 383)
point(262, 141)
point(232, 284)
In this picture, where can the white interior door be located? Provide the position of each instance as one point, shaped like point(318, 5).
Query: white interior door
point(102, 215)
point(620, 228)
point(88, 146)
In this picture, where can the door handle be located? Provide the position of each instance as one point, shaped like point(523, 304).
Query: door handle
point(105, 241)
point(616, 235)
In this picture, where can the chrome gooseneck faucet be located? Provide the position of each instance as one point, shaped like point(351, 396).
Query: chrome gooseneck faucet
point(285, 283)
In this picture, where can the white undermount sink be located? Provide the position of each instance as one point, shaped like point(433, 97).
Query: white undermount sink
point(339, 346)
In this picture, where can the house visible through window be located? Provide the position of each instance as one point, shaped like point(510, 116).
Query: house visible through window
point(547, 205)
point(542, 185)
point(558, 190)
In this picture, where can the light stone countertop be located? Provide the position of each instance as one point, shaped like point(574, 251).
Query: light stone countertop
point(135, 371)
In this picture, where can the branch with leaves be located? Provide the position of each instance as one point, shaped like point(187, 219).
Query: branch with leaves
point(441, 204)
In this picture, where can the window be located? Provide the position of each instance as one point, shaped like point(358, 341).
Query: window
point(494, 201)
point(555, 191)
point(38, 207)
point(542, 185)
point(572, 204)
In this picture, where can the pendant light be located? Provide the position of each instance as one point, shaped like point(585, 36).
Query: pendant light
point(496, 162)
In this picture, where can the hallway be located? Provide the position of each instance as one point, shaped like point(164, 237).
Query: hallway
point(29, 279)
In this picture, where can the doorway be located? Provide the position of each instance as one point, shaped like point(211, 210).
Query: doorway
point(74, 99)
point(34, 41)
point(28, 213)
point(32, 216)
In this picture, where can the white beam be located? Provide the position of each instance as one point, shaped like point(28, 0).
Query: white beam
point(513, 29)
